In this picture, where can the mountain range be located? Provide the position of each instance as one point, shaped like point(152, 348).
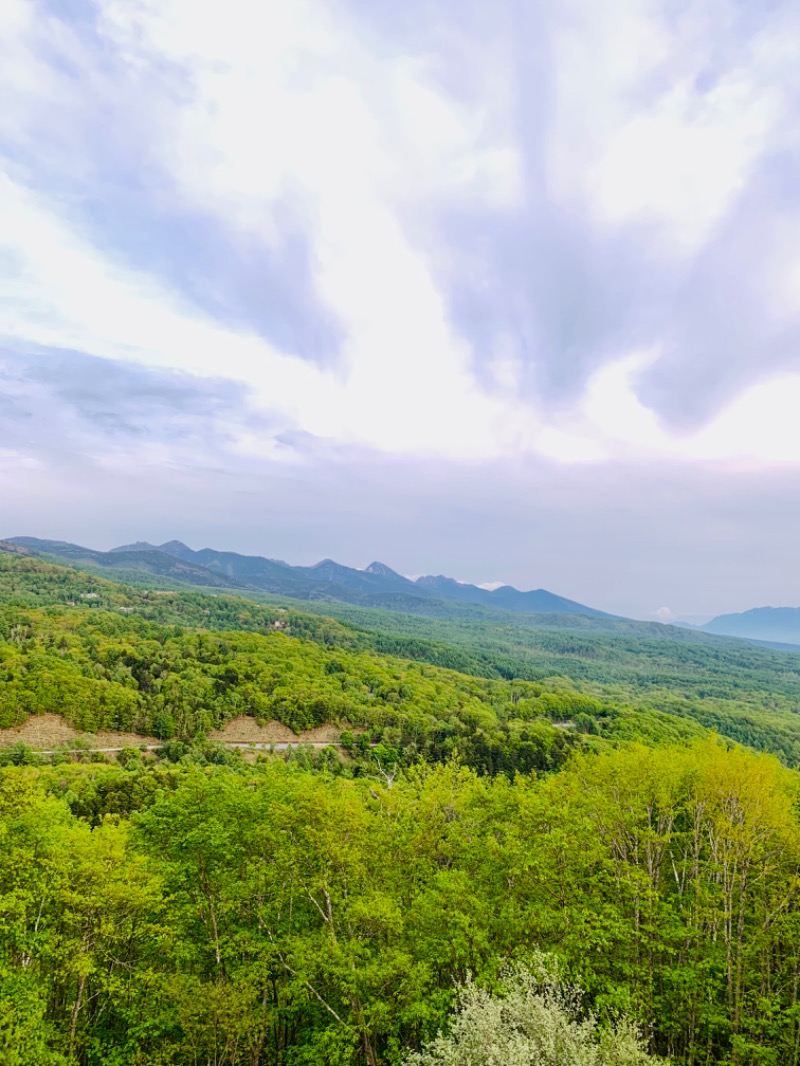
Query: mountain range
point(377, 585)
point(775, 625)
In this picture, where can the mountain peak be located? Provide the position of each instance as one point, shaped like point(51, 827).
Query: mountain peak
point(138, 546)
point(778, 625)
point(173, 546)
point(382, 569)
point(437, 581)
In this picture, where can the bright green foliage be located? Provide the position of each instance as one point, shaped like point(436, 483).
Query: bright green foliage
point(642, 672)
point(197, 911)
point(103, 671)
point(272, 916)
point(615, 680)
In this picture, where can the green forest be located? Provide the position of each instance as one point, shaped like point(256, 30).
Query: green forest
point(279, 914)
point(578, 842)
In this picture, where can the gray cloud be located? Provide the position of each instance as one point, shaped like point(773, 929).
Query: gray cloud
point(723, 329)
point(53, 402)
point(568, 293)
point(104, 134)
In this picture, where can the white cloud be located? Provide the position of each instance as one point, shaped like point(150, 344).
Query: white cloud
point(282, 112)
point(684, 160)
point(647, 130)
point(259, 111)
point(759, 426)
point(395, 393)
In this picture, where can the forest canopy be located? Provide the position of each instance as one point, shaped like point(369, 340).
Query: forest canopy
point(324, 908)
point(271, 914)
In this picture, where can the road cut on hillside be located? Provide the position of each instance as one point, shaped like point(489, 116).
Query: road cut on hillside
point(49, 734)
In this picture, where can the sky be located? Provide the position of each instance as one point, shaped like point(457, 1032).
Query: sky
point(504, 289)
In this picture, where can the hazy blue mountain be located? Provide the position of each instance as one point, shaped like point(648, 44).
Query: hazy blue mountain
point(507, 598)
point(37, 544)
point(253, 570)
point(139, 546)
point(779, 625)
point(379, 580)
point(327, 579)
point(207, 567)
point(376, 578)
point(378, 585)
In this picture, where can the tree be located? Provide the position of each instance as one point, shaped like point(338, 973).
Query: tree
point(535, 1020)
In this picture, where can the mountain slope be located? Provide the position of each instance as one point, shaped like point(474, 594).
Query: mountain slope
point(325, 580)
point(177, 563)
point(377, 578)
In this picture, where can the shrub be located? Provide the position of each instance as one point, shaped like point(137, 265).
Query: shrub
point(535, 1020)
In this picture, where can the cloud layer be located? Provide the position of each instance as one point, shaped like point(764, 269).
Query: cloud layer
point(296, 243)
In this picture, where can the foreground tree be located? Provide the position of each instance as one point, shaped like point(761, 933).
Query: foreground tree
point(534, 1020)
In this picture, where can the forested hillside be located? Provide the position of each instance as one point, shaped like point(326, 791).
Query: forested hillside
point(502, 788)
point(102, 664)
point(178, 663)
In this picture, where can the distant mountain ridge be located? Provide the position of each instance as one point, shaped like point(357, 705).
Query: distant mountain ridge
point(780, 625)
point(144, 558)
point(537, 601)
point(377, 585)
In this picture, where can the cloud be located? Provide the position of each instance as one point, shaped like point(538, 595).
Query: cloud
point(321, 205)
point(88, 118)
point(314, 149)
point(529, 270)
point(59, 406)
point(736, 318)
point(658, 209)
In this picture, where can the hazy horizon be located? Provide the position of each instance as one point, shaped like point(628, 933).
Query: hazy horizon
point(512, 296)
